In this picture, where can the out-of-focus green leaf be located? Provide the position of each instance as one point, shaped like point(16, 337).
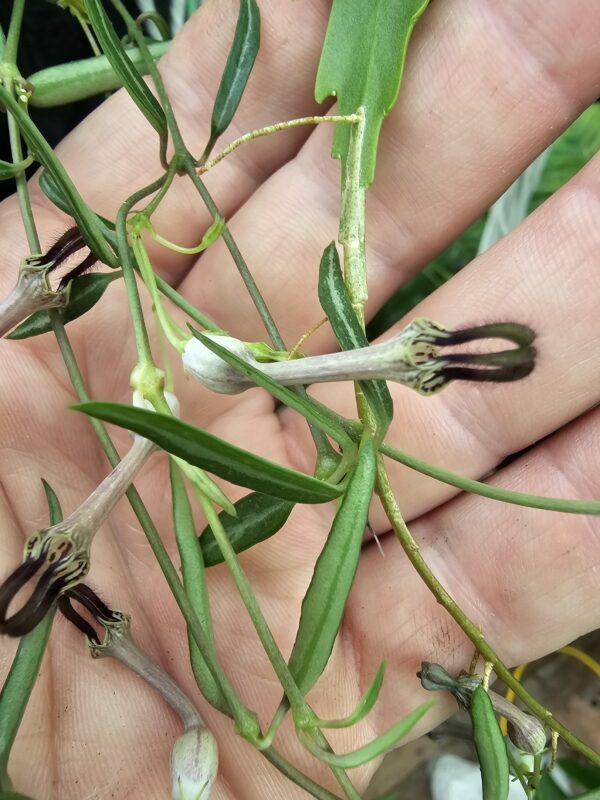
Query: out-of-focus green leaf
point(335, 302)
point(258, 517)
point(237, 69)
point(361, 65)
point(587, 775)
point(202, 449)
point(548, 790)
point(128, 74)
point(85, 293)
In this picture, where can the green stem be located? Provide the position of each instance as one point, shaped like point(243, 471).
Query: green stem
point(137, 315)
point(352, 221)
point(14, 32)
point(299, 778)
point(411, 548)
point(21, 180)
point(185, 305)
point(492, 492)
point(17, 689)
point(246, 721)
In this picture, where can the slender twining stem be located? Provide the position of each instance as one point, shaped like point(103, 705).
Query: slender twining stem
point(269, 129)
point(487, 490)
point(352, 221)
point(411, 548)
point(14, 32)
point(137, 315)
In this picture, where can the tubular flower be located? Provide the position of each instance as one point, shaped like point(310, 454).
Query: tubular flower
point(194, 757)
point(33, 291)
point(62, 551)
point(415, 357)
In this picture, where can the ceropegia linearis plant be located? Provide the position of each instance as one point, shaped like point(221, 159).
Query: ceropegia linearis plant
point(267, 459)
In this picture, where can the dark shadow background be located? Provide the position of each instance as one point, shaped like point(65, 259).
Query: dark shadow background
point(50, 36)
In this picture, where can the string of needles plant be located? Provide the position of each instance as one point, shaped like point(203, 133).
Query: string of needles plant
point(361, 65)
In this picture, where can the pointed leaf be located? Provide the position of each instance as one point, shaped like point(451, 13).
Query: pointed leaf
point(202, 449)
point(237, 69)
point(375, 748)
point(364, 706)
point(325, 599)
point(194, 583)
point(128, 74)
point(315, 413)
point(54, 509)
point(361, 65)
point(85, 293)
point(335, 302)
point(490, 746)
point(259, 516)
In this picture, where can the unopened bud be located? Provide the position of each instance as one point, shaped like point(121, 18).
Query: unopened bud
point(194, 765)
point(525, 731)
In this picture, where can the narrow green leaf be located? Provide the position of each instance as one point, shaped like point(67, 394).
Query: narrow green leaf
point(54, 509)
point(87, 222)
point(85, 293)
point(361, 65)
point(68, 83)
point(259, 516)
point(490, 746)
point(202, 449)
point(364, 706)
point(18, 686)
point(9, 169)
point(325, 599)
point(377, 747)
point(315, 413)
point(335, 302)
point(194, 583)
point(123, 66)
point(237, 69)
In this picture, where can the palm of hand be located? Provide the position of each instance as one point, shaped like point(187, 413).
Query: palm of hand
point(92, 730)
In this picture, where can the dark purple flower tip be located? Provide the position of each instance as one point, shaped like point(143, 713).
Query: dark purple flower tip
point(69, 243)
point(99, 611)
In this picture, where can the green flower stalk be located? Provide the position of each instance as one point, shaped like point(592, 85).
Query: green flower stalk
point(525, 731)
point(194, 757)
point(33, 291)
point(415, 357)
point(62, 551)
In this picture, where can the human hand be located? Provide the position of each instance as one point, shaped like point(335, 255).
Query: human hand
point(486, 88)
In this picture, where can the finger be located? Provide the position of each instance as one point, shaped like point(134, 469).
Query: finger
point(484, 91)
point(527, 577)
point(108, 158)
point(544, 274)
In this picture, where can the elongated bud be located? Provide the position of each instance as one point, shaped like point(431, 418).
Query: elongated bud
point(61, 553)
point(194, 765)
point(415, 357)
point(525, 731)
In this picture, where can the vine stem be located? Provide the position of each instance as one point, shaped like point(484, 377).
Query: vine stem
point(204, 166)
point(413, 553)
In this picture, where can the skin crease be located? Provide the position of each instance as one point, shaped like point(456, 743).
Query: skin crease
point(487, 87)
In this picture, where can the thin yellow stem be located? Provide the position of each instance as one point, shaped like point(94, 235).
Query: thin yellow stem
point(269, 129)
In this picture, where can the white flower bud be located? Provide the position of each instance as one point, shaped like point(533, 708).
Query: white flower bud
point(194, 764)
point(211, 371)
